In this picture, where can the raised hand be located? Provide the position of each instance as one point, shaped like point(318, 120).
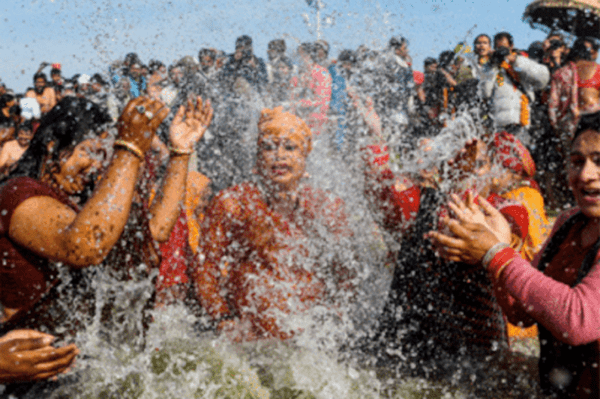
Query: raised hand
point(26, 355)
point(139, 120)
point(189, 124)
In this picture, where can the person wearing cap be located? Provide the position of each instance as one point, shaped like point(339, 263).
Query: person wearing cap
point(42, 92)
point(261, 266)
point(243, 63)
point(84, 86)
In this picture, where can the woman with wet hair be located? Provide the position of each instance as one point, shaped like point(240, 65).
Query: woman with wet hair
point(559, 289)
point(264, 243)
point(53, 226)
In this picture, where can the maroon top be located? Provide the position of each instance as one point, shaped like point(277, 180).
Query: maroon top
point(24, 276)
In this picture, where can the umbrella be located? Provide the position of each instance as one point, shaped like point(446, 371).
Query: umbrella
point(577, 17)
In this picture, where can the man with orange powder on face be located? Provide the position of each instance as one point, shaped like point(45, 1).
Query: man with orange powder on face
point(262, 242)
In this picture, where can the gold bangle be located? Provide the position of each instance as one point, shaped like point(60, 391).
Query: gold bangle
point(176, 151)
point(132, 148)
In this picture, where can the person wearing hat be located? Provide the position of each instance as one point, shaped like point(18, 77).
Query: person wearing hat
point(243, 63)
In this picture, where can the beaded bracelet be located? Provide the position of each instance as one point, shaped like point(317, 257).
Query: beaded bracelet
point(132, 148)
point(176, 151)
point(489, 255)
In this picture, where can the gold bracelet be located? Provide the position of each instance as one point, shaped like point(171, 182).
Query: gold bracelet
point(132, 148)
point(176, 151)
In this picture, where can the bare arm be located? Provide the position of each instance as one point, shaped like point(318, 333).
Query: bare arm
point(187, 128)
point(55, 231)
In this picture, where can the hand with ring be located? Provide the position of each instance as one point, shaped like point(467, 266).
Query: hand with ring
point(139, 121)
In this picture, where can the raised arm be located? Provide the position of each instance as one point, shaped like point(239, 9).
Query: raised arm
point(55, 231)
point(187, 128)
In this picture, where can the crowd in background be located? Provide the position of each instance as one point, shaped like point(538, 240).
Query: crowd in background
point(368, 107)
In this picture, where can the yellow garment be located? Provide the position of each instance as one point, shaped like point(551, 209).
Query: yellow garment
point(538, 232)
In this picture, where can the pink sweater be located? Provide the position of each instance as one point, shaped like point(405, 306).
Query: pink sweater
point(571, 314)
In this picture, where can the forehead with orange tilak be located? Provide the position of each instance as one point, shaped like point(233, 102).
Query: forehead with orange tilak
point(276, 122)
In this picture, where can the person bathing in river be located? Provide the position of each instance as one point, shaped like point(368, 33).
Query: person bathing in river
point(559, 289)
point(265, 244)
point(438, 315)
point(47, 237)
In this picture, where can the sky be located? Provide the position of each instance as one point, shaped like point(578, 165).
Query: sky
point(86, 35)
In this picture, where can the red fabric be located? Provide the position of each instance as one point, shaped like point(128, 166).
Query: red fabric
point(514, 212)
point(513, 155)
point(256, 264)
point(314, 106)
point(418, 77)
point(381, 153)
point(24, 276)
point(591, 83)
point(175, 256)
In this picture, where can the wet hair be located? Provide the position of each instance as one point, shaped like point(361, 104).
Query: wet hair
point(587, 122)
point(503, 35)
point(556, 34)
point(40, 75)
point(55, 71)
point(579, 51)
point(69, 123)
point(482, 35)
point(347, 56)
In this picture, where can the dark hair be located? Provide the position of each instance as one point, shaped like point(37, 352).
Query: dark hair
point(536, 51)
point(207, 52)
point(244, 41)
point(132, 58)
point(579, 50)
point(310, 49)
point(6, 98)
point(347, 56)
point(40, 75)
point(557, 34)
point(587, 122)
point(482, 35)
point(446, 58)
point(503, 35)
point(55, 71)
point(155, 65)
point(66, 125)
point(398, 41)
point(97, 78)
point(429, 61)
point(277, 45)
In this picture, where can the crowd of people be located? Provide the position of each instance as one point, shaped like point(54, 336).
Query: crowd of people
point(127, 171)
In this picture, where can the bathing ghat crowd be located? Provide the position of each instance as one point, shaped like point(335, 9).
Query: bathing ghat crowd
point(193, 176)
